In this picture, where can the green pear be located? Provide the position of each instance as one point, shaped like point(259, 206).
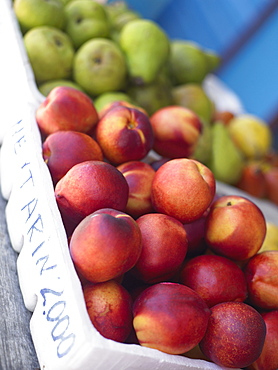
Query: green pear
point(152, 96)
point(65, 2)
point(35, 13)
point(109, 97)
point(188, 62)
point(115, 8)
point(120, 21)
point(146, 47)
point(194, 97)
point(203, 149)
point(99, 66)
point(226, 161)
point(85, 19)
point(46, 87)
point(213, 60)
point(50, 52)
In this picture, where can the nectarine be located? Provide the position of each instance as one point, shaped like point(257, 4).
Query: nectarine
point(268, 359)
point(235, 335)
point(105, 245)
point(183, 188)
point(124, 134)
point(89, 186)
point(66, 108)
point(62, 150)
point(164, 247)
point(170, 317)
point(109, 306)
point(235, 227)
point(176, 131)
point(261, 273)
point(216, 279)
point(139, 176)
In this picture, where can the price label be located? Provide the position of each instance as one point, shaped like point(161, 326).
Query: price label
point(45, 268)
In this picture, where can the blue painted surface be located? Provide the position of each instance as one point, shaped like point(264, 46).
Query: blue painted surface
point(252, 73)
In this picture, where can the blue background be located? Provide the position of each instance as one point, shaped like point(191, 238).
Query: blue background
point(243, 32)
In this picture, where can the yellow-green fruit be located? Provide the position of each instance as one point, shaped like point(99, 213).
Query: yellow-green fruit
point(203, 149)
point(99, 66)
point(226, 161)
point(50, 52)
point(188, 62)
point(122, 19)
point(46, 87)
point(115, 8)
point(146, 47)
point(194, 97)
point(271, 239)
point(109, 97)
point(35, 13)
point(251, 135)
point(213, 60)
point(85, 19)
point(152, 96)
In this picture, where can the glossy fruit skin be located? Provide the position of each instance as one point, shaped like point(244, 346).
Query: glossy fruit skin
point(262, 280)
point(170, 317)
point(164, 248)
point(66, 108)
point(187, 180)
point(139, 176)
point(215, 278)
point(235, 227)
point(109, 306)
point(64, 149)
point(105, 245)
point(268, 359)
point(124, 134)
point(235, 335)
point(89, 186)
point(176, 131)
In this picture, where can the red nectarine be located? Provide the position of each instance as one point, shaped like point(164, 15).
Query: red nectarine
point(176, 131)
point(268, 359)
point(124, 134)
point(109, 306)
point(261, 273)
point(183, 188)
point(235, 335)
point(66, 108)
point(170, 317)
point(62, 150)
point(139, 176)
point(235, 227)
point(216, 279)
point(164, 247)
point(105, 245)
point(89, 186)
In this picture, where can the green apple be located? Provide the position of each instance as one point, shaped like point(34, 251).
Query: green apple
point(99, 66)
point(50, 52)
point(85, 19)
point(47, 86)
point(34, 13)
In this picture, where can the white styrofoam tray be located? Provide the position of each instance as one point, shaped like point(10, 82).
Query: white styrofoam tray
point(62, 333)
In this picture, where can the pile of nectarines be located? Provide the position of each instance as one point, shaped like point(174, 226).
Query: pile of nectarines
point(164, 261)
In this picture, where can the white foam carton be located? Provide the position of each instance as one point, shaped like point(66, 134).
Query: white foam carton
point(62, 333)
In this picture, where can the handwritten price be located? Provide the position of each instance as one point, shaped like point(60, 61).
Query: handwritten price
point(38, 240)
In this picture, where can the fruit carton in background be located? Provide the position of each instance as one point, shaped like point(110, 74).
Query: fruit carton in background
point(63, 335)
